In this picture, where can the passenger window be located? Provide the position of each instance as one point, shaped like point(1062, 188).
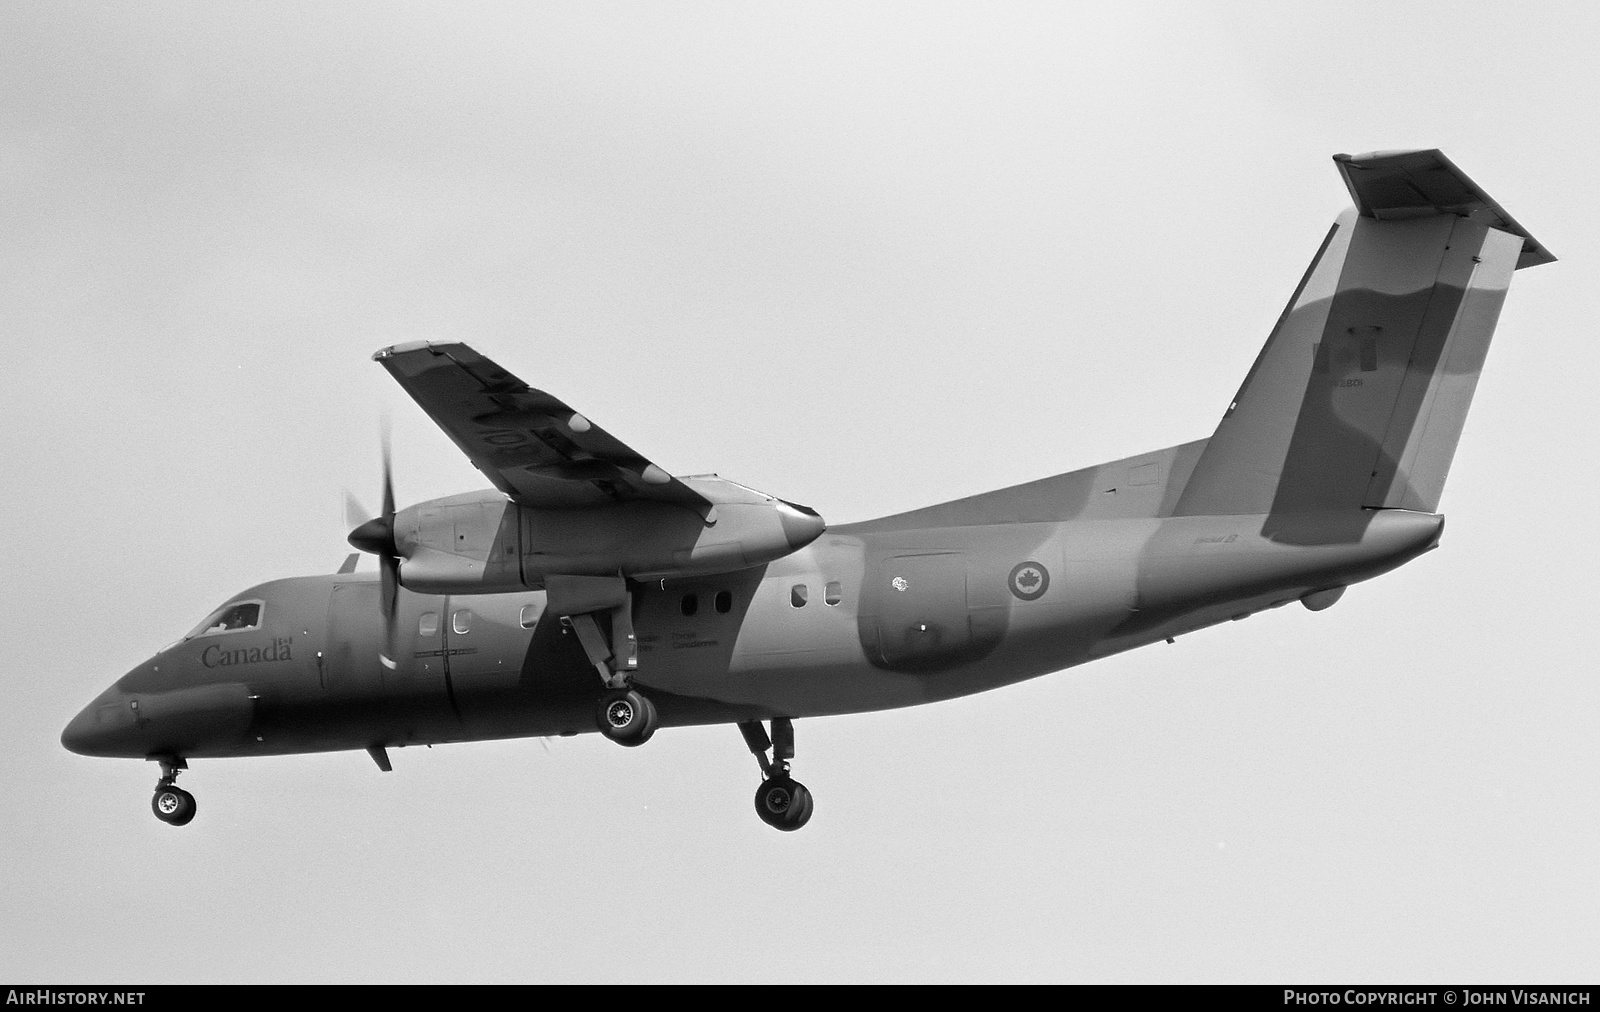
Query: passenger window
point(832, 594)
point(690, 604)
point(798, 595)
point(530, 616)
point(724, 601)
point(428, 624)
point(461, 622)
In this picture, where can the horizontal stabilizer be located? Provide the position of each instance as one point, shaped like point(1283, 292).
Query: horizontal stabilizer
point(1412, 184)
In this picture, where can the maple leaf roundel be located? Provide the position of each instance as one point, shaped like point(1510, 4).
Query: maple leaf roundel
point(1029, 580)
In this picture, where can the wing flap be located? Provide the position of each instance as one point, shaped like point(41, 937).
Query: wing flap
point(534, 447)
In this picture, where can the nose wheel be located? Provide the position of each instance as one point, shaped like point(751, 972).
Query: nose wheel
point(782, 802)
point(171, 803)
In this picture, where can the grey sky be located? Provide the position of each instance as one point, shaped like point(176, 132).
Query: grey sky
point(865, 257)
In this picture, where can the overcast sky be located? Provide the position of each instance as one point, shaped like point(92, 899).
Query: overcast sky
point(862, 256)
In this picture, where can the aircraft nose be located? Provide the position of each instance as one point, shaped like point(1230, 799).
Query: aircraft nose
point(79, 734)
point(801, 524)
point(98, 727)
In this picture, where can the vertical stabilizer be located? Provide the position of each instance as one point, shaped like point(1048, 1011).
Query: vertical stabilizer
point(1359, 396)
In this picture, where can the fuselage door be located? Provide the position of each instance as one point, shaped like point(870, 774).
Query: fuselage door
point(351, 668)
point(915, 607)
point(488, 636)
point(360, 662)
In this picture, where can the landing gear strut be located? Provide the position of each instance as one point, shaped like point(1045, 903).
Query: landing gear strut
point(172, 804)
point(623, 714)
point(782, 802)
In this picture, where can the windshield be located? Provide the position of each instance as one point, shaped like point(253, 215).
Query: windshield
point(235, 617)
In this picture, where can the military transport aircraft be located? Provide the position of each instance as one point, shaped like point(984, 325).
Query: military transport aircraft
point(592, 590)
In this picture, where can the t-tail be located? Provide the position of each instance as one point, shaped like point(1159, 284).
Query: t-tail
point(1357, 401)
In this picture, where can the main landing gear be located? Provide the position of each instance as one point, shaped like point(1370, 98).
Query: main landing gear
point(623, 713)
point(782, 802)
point(172, 804)
point(626, 716)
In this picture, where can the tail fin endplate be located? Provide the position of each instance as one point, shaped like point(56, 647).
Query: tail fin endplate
point(1358, 398)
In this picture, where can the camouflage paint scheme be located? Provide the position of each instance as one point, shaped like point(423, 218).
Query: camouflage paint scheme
point(1326, 470)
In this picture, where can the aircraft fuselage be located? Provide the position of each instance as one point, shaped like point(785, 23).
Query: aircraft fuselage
point(862, 619)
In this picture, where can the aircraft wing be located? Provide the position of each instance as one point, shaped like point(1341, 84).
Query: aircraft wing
point(533, 447)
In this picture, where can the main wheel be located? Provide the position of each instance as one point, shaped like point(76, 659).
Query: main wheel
point(627, 717)
point(173, 805)
point(783, 803)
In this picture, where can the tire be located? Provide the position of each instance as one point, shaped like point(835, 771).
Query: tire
point(173, 805)
point(627, 717)
point(803, 816)
point(799, 810)
point(783, 804)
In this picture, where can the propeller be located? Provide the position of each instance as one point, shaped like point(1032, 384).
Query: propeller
point(376, 536)
point(355, 514)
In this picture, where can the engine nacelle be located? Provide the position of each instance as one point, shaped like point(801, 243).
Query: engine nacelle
point(482, 543)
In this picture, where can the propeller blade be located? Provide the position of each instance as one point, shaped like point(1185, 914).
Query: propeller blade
point(355, 514)
point(389, 576)
point(376, 536)
point(388, 476)
point(389, 559)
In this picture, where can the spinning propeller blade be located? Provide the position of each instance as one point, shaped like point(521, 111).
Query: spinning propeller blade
point(355, 514)
point(389, 558)
point(376, 536)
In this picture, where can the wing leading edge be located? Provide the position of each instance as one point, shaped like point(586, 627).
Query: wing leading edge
point(531, 445)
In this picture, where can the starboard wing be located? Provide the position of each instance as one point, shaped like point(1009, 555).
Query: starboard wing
point(531, 445)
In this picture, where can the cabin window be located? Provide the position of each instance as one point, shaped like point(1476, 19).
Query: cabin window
point(798, 595)
point(832, 594)
point(530, 616)
point(428, 624)
point(724, 601)
point(236, 617)
point(689, 605)
point(461, 622)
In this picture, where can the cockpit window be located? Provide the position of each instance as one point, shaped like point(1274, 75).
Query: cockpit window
point(235, 617)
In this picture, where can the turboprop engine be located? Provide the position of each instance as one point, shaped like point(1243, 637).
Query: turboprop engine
point(483, 543)
point(571, 502)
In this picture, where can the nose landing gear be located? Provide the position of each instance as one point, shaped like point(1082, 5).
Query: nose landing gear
point(171, 803)
point(782, 802)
